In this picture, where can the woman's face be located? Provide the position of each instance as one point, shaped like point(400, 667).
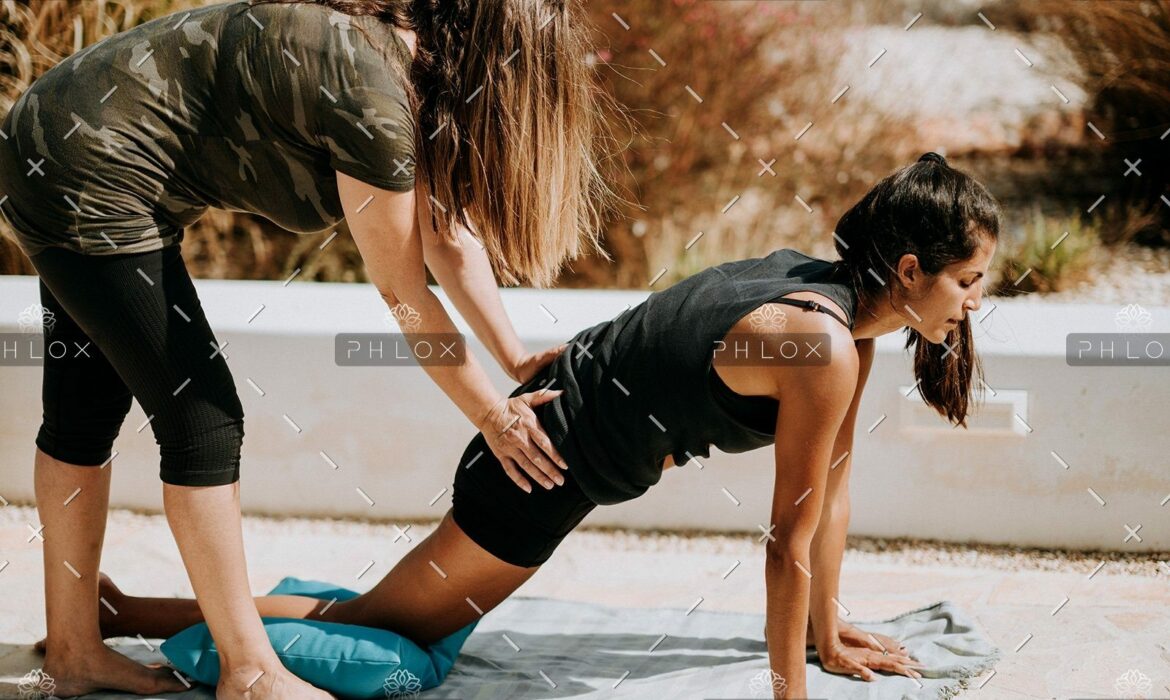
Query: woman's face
point(957, 289)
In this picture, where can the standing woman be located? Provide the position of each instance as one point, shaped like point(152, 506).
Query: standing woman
point(305, 113)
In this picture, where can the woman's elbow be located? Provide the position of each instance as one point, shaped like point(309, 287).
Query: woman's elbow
point(411, 295)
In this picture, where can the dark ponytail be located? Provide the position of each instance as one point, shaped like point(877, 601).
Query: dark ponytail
point(941, 215)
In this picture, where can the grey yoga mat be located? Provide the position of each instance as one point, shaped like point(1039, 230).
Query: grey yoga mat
point(542, 648)
point(528, 648)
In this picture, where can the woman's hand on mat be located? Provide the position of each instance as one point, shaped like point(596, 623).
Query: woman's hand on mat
point(854, 637)
point(514, 434)
point(526, 366)
point(863, 661)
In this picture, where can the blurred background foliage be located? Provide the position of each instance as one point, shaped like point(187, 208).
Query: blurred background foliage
point(721, 161)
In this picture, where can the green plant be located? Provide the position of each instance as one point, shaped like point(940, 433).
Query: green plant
point(1050, 254)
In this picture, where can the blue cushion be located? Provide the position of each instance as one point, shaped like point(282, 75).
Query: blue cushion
point(350, 661)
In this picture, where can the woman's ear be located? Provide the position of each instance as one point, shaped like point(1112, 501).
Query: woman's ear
point(909, 271)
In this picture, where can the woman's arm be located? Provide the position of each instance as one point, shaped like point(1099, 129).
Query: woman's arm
point(463, 270)
point(841, 647)
point(384, 225)
point(828, 545)
point(816, 399)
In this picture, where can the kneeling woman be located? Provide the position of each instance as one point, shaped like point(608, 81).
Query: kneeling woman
point(646, 390)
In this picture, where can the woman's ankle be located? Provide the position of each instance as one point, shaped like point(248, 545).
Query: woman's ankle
point(71, 647)
point(246, 675)
point(250, 666)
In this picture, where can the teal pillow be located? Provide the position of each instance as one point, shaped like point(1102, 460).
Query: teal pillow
point(350, 661)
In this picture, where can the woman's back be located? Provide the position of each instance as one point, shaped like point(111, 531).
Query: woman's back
point(636, 388)
point(247, 108)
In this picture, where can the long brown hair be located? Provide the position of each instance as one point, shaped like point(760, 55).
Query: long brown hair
point(512, 136)
point(941, 215)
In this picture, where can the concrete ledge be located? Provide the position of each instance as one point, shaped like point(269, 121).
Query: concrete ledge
point(1021, 475)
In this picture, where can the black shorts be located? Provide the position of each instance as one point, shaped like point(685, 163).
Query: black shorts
point(518, 527)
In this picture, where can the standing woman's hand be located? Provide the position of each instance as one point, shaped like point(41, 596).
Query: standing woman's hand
point(526, 366)
point(515, 436)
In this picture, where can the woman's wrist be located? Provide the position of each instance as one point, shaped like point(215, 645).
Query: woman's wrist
point(511, 358)
point(827, 647)
point(488, 416)
point(828, 634)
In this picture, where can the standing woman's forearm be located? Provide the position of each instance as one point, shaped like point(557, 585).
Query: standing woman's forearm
point(384, 225)
point(466, 384)
point(828, 546)
point(464, 272)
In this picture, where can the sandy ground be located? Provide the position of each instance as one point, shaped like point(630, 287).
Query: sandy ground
point(1070, 624)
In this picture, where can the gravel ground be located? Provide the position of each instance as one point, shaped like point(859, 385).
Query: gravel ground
point(901, 551)
point(869, 550)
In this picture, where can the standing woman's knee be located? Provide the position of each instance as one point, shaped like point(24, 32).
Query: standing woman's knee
point(205, 449)
point(81, 430)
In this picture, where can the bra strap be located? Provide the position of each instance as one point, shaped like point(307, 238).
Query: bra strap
point(810, 304)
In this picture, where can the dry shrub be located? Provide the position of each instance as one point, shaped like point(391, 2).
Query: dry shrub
point(759, 67)
point(760, 70)
point(1123, 46)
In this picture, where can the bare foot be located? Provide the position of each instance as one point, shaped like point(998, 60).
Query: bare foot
point(107, 620)
point(276, 683)
point(101, 668)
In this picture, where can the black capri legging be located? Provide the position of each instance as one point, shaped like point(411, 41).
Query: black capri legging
point(131, 325)
point(520, 528)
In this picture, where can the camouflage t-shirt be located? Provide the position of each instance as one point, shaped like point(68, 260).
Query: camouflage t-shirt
point(242, 107)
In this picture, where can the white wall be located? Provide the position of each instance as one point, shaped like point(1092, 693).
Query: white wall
point(395, 435)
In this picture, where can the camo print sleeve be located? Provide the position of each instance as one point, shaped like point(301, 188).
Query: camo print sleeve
point(356, 103)
point(369, 134)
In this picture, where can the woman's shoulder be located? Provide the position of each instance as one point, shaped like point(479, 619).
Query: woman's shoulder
point(314, 32)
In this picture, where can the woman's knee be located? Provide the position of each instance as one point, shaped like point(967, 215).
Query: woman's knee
point(202, 452)
point(82, 432)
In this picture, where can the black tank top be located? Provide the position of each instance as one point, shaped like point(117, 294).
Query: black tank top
point(641, 386)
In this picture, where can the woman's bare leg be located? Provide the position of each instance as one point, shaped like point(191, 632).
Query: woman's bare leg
point(438, 588)
point(205, 521)
point(72, 502)
point(421, 601)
